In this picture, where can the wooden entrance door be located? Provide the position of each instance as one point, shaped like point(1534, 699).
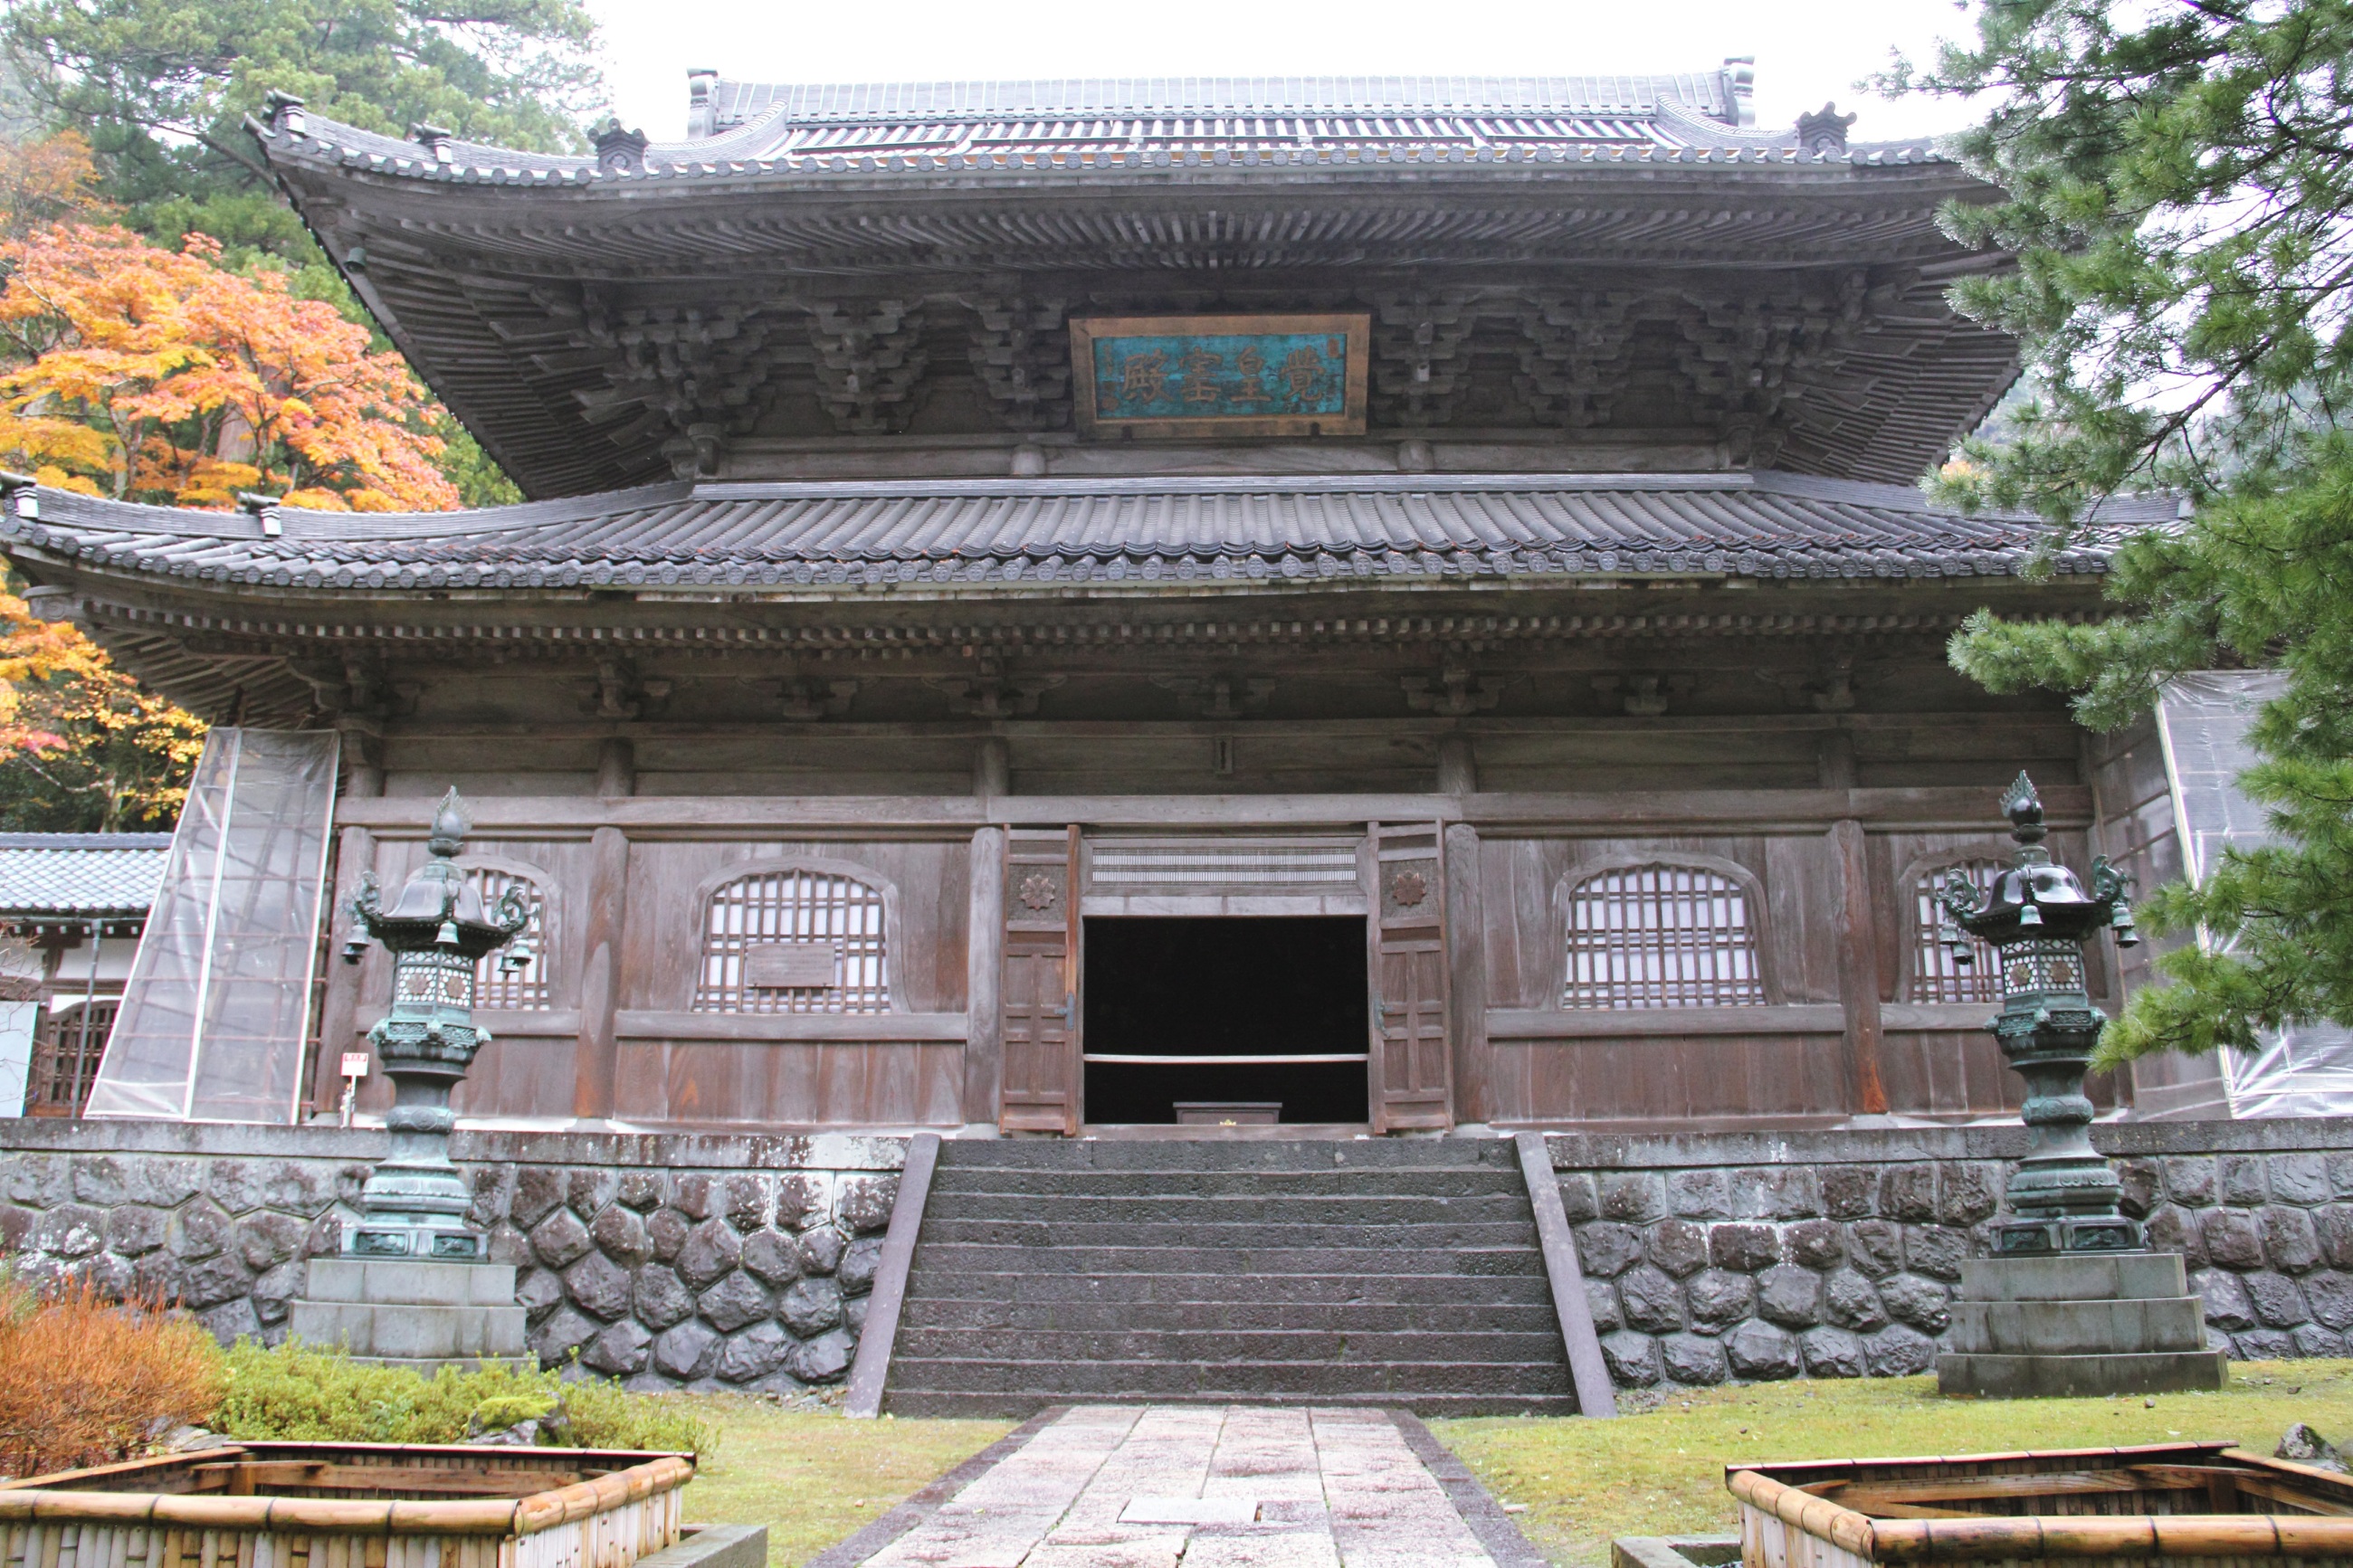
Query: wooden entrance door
point(1412, 1083)
point(1041, 987)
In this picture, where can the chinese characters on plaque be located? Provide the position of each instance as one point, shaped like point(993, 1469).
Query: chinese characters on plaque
point(1221, 375)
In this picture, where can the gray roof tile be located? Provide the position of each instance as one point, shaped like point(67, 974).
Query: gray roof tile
point(1015, 531)
point(85, 874)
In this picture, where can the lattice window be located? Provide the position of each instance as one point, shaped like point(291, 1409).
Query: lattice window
point(1935, 976)
point(794, 941)
point(1662, 936)
point(65, 1056)
point(524, 989)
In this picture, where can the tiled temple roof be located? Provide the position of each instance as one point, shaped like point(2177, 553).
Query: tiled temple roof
point(990, 536)
point(81, 874)
point(1267, 123)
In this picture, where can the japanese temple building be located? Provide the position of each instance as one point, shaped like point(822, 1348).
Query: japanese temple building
point(1379, 602)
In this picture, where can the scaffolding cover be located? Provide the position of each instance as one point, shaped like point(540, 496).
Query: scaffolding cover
point(214, 1014)
point(2306, 1069)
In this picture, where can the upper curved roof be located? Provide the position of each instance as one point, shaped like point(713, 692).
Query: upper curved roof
point(847, 262)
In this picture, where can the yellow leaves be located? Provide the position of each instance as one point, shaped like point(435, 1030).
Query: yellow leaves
point(199, 383)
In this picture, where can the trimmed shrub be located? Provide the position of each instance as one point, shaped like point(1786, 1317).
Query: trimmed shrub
point(298, 1393)
point(88, 1380)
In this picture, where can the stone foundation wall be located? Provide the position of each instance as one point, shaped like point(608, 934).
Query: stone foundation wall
point(670, 1260)
point(686, 1261)
point(1743, 1257)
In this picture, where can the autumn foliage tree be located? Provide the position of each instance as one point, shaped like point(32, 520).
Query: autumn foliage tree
point(152, 375)
point(141, 372)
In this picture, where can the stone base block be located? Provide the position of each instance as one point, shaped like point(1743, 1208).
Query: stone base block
point(408, 1311)
point(2077, 1324)
point(2077, 1328)
point(409, 1282)
point(2075, 1277)
point(2081, 1376)
point(404, 1332)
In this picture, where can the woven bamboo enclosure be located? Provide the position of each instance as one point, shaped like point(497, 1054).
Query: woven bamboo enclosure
point(2174, 1504)
point(350, 1505)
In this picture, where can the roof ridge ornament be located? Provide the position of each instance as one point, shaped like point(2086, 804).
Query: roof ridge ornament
point(1740, 89)
point(263, 509)
point(283, 111)
point(619, 151)
point(434, 139)
point(1824, 130)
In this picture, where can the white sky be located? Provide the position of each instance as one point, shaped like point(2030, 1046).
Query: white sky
point(1806, 50)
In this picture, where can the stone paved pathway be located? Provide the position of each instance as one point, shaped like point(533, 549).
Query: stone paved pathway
point(1106, 1486)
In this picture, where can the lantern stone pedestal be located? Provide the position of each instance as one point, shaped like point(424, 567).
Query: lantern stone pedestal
point(410, 1312)
point(413, 1285)
point(2069, 1303)
point(2077, 1324)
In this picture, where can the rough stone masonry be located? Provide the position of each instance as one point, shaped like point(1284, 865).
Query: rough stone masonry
point(1750, 1256)
point(743, 1261)
point(667, 1260)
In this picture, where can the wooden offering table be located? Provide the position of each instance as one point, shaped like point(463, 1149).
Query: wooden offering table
point(352, 1505)
point(2170, 1503)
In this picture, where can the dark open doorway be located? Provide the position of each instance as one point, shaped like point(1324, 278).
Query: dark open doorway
point(1277, 986)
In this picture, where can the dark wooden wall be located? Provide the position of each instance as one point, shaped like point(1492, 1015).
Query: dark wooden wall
point(1831, 871)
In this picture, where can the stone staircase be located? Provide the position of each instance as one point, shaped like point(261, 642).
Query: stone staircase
point(1402, 1274)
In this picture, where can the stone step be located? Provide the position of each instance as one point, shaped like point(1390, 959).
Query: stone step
point(1440, 1312)
point(1171, 1338)
point(949, 1259)
point(1186, 1154)
point(1029, 1285)
point(1054, 1381)
point(1282, 1186)
point(945, 1405)
point(1309, 1231)
point(1226, 1208)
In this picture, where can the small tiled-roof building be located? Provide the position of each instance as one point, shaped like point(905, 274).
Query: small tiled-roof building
point(1002, 559)
point(72, 908)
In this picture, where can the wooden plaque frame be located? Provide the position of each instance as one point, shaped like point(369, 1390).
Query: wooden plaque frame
point(1357, 328)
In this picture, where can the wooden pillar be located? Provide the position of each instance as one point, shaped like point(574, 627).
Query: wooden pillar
point(1458, 766)
point(1858, 949)
point(992, 768)
point(595, 1064)
point(983, 1048)
point(1466, 961)
point(616, 768)
point(339, 1001)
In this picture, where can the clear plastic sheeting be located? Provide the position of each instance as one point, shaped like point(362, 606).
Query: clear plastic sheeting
point(2306, 1069)
point(212, 1027)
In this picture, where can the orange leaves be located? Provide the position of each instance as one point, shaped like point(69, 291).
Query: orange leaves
point(88, 1380)
point(160, 375)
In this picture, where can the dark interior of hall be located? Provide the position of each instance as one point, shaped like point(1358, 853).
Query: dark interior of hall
point(1248, 986)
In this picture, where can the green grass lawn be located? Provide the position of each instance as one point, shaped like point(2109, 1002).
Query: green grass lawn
point(813, 1477)
point(1661, 1471)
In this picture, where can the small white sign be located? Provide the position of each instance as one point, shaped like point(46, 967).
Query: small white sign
point(355, 1064)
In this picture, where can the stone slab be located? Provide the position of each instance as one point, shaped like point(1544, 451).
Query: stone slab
point(2077, 1328)
point(714, 1546)
point(1207, 1486)
point(1675, 1550)
point(2081, 1376)
point(2075, 1277)
point(408, 1283)
point(409, 1332)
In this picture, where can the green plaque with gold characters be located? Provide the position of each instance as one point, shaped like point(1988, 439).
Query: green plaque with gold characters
point(1221, 375)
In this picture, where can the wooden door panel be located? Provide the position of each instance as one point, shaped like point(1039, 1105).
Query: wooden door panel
point(1412, 1083)
point(1039, 995)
